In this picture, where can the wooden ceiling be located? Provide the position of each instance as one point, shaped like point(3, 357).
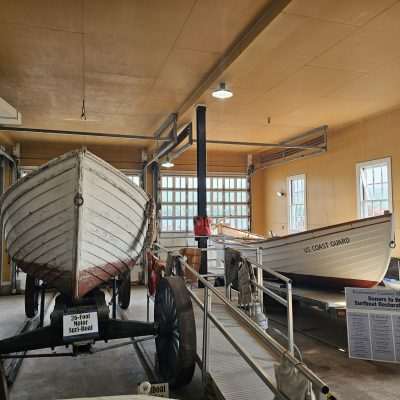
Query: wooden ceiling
point(133, 61)
point(319, 62)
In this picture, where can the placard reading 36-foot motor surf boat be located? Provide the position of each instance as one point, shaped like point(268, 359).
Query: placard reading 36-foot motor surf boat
point(373, 324)
point(80, 324)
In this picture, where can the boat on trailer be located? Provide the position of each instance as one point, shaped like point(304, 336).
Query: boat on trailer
point(78, 225)
point(355, 253)
point(75, 222)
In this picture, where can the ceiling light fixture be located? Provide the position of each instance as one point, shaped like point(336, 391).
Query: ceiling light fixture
point(167, 163)
point(222, 92)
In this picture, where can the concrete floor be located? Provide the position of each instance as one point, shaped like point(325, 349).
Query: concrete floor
point(114, 372)
point(117, 372)
point(323, 343)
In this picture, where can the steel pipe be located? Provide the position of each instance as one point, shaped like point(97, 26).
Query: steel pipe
point(206, 335)
point(289, 313)
point(270, 293)
point(81, 133)
point(258, 144)
point(246, 356)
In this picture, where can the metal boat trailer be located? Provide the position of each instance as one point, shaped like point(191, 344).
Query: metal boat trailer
point(79, 325)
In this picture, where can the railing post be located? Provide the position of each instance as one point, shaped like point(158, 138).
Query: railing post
point(260, 280)
point(148, 307)
point(227, 287)
point(206, 334)
point(290, 318)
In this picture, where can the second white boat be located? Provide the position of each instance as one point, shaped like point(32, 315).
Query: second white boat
point(355, 253)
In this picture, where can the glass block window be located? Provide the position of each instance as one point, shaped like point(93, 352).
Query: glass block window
point(134, 178)
point(227, 200)
point(297, 203)
point(374, 191)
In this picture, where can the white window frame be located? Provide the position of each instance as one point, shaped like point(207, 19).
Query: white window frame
point(289, 198)
point(132, 172)
point(371, 163)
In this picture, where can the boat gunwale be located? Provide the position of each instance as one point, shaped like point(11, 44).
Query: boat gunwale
point(351, 228)
point(66, 156)
point(312, 231)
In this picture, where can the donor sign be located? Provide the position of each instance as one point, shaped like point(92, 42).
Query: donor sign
point(373, 324)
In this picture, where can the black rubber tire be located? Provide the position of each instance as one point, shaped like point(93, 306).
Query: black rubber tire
point(124, 291)
point(176, 338)
point(3, 384)
point(31, 296)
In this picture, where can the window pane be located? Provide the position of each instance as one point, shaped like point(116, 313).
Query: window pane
point(385, 177)
point(378, 192)
point(296, 204)
point(377, 175)
point(374, 189)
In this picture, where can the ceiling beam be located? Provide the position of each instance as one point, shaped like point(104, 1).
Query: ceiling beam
point(82, 133)
point(263, 19)
point(282, 145)
point(258, 144)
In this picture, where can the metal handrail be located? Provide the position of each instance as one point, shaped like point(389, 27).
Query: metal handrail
point(267, 339)
point(285, 302)
point(288, 302)
point(247, 357)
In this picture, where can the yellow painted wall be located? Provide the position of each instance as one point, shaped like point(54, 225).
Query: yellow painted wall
point(120, 156)
point(218, 161)
point(331, 177)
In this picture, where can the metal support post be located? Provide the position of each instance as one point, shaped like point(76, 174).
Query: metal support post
point(114, 298)
point(201, 179)
point(13, 265)
point(42, 303)
point(148, 308)
point(260, 280)
point(206, 335)
point(155, 170)
point(290, 318)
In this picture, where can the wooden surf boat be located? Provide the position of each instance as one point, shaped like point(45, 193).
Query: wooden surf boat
point(355, 253)
point(75, 223)
point(228, 231)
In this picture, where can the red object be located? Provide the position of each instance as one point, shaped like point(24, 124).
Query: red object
point(156, 268)
point(202, 226)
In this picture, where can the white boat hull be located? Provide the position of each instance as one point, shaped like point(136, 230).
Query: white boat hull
point(75, 223)
point(356, 253)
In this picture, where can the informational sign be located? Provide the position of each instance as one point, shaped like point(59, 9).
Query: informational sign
point(80, 324)
point(154, 389)
point(373, 324)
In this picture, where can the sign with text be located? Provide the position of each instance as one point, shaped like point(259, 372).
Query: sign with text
point(83, 324)
point(373, 324)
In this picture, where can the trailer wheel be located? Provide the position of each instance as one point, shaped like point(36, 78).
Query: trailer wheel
point(176, 338)
point(31, 296)
point(124, 291)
